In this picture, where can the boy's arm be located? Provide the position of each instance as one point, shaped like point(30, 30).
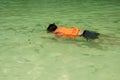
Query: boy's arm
point(60, 37)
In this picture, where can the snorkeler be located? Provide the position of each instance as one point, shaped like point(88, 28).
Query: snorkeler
point(64, 32)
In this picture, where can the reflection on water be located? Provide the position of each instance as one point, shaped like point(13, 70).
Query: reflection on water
point(27, 52)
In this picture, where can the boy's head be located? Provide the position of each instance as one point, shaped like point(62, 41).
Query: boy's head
point(51, 27)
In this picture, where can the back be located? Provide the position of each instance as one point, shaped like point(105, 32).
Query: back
point(68, 32)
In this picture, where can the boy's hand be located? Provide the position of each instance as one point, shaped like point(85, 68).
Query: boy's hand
point(60, 37)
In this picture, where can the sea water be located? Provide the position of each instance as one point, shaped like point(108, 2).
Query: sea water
point(27, 52)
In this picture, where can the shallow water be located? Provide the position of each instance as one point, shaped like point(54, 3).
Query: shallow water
point(27, 52)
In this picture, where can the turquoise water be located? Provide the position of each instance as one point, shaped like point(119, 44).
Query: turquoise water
point(27, 52)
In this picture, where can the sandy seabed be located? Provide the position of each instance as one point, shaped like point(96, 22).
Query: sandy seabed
point(27, 52)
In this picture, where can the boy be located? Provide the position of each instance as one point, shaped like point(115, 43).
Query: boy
point(63, 32)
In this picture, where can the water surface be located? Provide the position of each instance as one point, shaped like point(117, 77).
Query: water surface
point(27, 52)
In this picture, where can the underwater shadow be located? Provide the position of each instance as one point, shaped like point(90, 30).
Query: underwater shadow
point(90, 44)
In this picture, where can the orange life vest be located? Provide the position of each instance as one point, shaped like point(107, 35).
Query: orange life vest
point(68, 32)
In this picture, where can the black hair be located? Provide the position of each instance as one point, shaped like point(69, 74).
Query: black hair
point(51, 27)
